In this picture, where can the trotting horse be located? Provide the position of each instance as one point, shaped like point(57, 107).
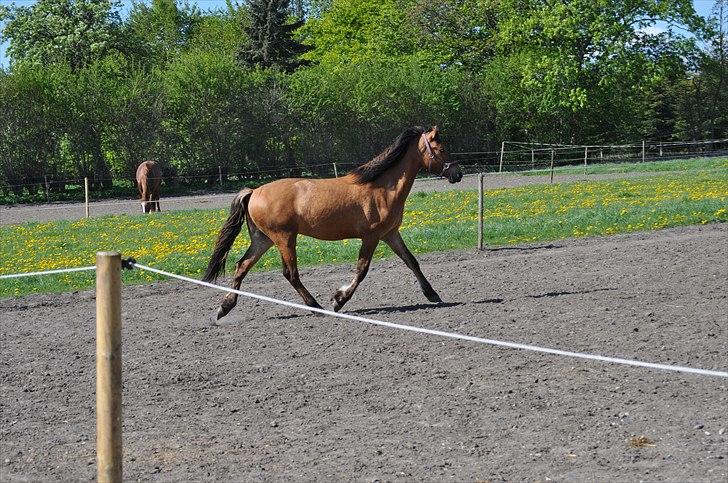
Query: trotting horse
point(368, 203)
point(149, 179)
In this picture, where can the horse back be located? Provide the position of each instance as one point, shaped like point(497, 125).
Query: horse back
point(328, 209)
point(148, 177)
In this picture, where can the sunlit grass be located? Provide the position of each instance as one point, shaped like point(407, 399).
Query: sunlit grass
point(181, 242)
point(690, 164)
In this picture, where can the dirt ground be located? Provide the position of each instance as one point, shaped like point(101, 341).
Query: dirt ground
point(12, 214)
point(275, 394)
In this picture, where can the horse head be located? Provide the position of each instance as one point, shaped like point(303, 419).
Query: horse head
point(435, 157)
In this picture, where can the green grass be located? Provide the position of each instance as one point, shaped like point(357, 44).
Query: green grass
point(181, 241)
point(692, 164)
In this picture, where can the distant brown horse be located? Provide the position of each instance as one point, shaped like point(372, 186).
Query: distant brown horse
point(367, 203)
point(149, 179)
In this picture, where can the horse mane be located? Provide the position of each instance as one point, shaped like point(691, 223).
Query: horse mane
point(391, 155)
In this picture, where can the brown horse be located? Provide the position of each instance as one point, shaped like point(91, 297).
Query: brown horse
point(149, 179)
point(367, 203)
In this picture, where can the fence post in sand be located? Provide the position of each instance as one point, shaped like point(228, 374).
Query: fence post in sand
point(336, 173)
point(85, 189)
point(108, 367)
point(480, 211)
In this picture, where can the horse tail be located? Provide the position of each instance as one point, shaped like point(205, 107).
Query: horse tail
point(228, 233)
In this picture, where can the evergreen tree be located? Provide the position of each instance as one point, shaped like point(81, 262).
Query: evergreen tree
point(271, 37)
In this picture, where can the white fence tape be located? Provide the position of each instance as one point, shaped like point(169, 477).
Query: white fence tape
point(452, 335)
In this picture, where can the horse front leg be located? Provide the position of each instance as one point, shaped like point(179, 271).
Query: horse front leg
point(259, 244)
point(286, 244)
point(345, 293)
point(395, 242)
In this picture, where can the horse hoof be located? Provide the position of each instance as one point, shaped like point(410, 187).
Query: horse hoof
point(434, 298)
point(222, 312)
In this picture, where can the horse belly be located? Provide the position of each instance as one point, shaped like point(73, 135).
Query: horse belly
point(341, 222)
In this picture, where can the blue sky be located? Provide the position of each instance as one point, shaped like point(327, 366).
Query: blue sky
point(703, 7)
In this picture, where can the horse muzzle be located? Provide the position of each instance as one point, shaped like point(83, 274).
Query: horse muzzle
point(452, 172)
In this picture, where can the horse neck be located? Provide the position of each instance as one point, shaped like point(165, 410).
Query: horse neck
point(399, 179)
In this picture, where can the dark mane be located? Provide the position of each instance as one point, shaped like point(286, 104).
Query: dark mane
point(389, 157)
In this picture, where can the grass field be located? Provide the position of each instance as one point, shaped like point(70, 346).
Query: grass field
point(181, 242)
point(690, 164)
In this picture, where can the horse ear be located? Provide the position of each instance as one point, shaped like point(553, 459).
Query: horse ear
point(435, 133)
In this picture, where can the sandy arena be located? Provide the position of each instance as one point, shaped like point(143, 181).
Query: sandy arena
point(277, 394)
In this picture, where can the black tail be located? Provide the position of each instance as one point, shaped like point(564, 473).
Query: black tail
point(228, 233)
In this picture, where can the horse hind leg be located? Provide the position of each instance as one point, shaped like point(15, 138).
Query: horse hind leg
point(343, 294)
point(259, 244)
point(286, 245)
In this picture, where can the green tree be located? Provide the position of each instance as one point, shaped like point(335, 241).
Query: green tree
point(133, 131)
point(74, 32)
point(354, 31)
point(217, 114)
point(87, 102)
point(28, 131)
point(582, 62)
point(158, 32)
point(221, 31)
point(271, 41)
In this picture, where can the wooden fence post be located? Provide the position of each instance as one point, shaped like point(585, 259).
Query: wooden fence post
point(336, 173)
point(586, 153)
point(500, 166)
point(480, 211)
point(219, 174)
point(643, 151)
point(108, 367)
point(533, 162)
point(552, 166)
point(85, 189)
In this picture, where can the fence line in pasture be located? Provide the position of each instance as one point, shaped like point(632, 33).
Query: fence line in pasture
point(522, 148)
point(90, 204)
point(517, 160)
point(525, 154)
point(46, 272)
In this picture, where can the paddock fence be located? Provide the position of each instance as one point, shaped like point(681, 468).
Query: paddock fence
point(513, 157)
point(517, 156)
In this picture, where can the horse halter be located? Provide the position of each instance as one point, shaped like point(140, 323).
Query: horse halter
point(445, 166)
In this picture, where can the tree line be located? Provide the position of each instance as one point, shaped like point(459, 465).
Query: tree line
point(263, 84)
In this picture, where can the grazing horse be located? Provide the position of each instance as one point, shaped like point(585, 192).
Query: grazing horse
point(368, 204)
point(149, 179)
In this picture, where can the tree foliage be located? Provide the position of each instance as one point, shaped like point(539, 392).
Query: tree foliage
point(75, 32)
point(272, 84)
point(270, 37)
